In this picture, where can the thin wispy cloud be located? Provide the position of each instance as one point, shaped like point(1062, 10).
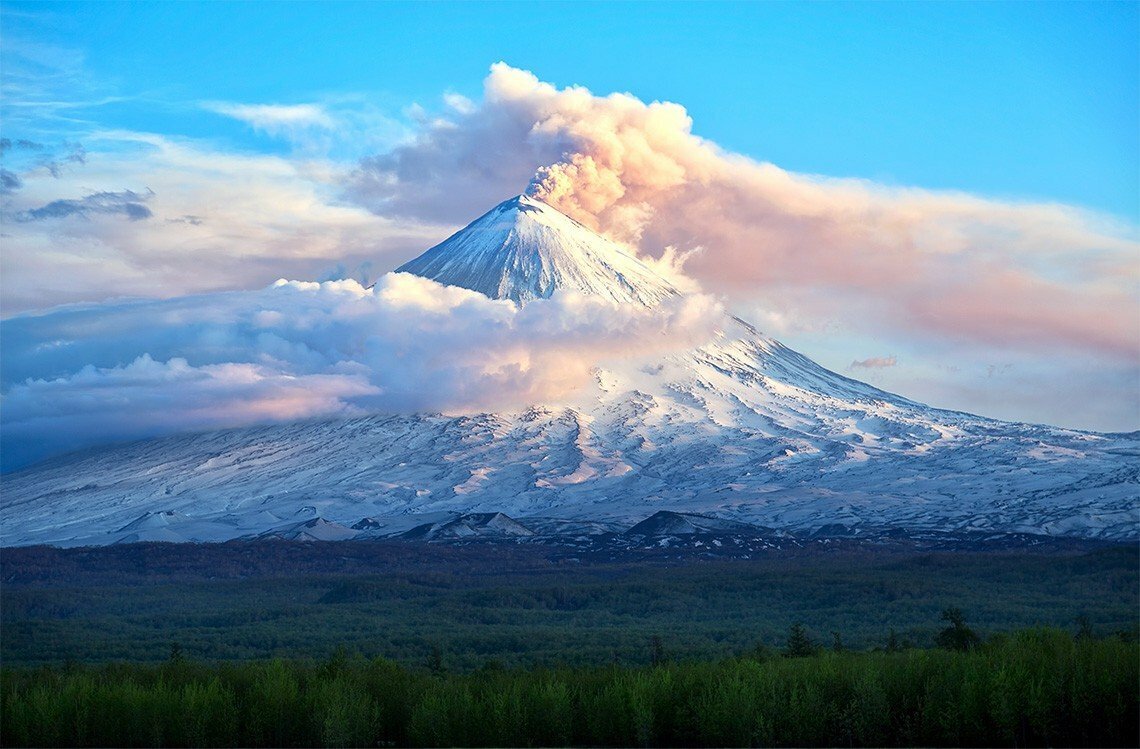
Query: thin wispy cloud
point(46, 91)
point(28, 157)
point(275, 119)
point(126, 203)
point(874, 362)
point(20, 144)
point(339, 127)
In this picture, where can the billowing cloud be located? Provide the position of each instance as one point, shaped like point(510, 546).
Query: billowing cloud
point(81, 375)
point(874, 362)
point(930, 263)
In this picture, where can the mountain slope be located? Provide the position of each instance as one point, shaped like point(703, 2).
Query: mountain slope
point(522, 249)
point(742, 428)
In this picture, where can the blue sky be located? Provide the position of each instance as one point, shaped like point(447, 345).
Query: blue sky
point(939, 198)
point(1031, 100)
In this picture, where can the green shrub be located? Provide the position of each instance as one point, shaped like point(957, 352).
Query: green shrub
point(1038, 687)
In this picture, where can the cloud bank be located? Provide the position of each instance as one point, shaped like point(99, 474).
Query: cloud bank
point(86, 375)
point(152, 216)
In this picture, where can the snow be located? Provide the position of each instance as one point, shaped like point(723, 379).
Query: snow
point(523, 249)
point(742, 429)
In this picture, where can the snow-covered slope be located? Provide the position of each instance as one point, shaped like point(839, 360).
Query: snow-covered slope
point(742, 429)
point(523, 249)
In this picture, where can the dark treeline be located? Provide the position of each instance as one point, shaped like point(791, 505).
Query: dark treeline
point(1036, 687)
point(540, 611)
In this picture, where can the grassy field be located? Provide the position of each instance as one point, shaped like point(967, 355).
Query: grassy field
point(1031, 688)
point(520, 607)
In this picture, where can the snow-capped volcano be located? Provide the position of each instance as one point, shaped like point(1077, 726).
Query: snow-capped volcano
point(522, 249)
point(741, 429)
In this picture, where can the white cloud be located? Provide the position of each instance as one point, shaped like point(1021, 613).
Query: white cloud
point(459, 103)
point(343, 127)
point(274, 119)
point(146, 398)
point(206, 220)
point(84, 375)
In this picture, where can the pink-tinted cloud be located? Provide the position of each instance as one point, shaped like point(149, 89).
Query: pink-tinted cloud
point(147, 398)
point(874, 362)
point(931, 263)
point(90, 374)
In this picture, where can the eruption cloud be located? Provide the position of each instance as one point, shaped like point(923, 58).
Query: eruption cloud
point(945, 264)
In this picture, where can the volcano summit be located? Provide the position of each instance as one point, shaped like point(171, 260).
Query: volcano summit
point(523, 249)
point(739, 430)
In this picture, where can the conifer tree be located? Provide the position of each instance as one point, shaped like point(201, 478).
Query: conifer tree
point(799, 644)
point(957, 636)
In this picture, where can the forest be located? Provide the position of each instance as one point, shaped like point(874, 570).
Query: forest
point(524, 607)
point(360, 644)
point(1039, 687)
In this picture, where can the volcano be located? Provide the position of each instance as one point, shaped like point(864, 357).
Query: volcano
point(524, 250)
point(741, 429)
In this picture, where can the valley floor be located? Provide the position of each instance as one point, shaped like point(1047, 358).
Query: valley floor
point(531, 606)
